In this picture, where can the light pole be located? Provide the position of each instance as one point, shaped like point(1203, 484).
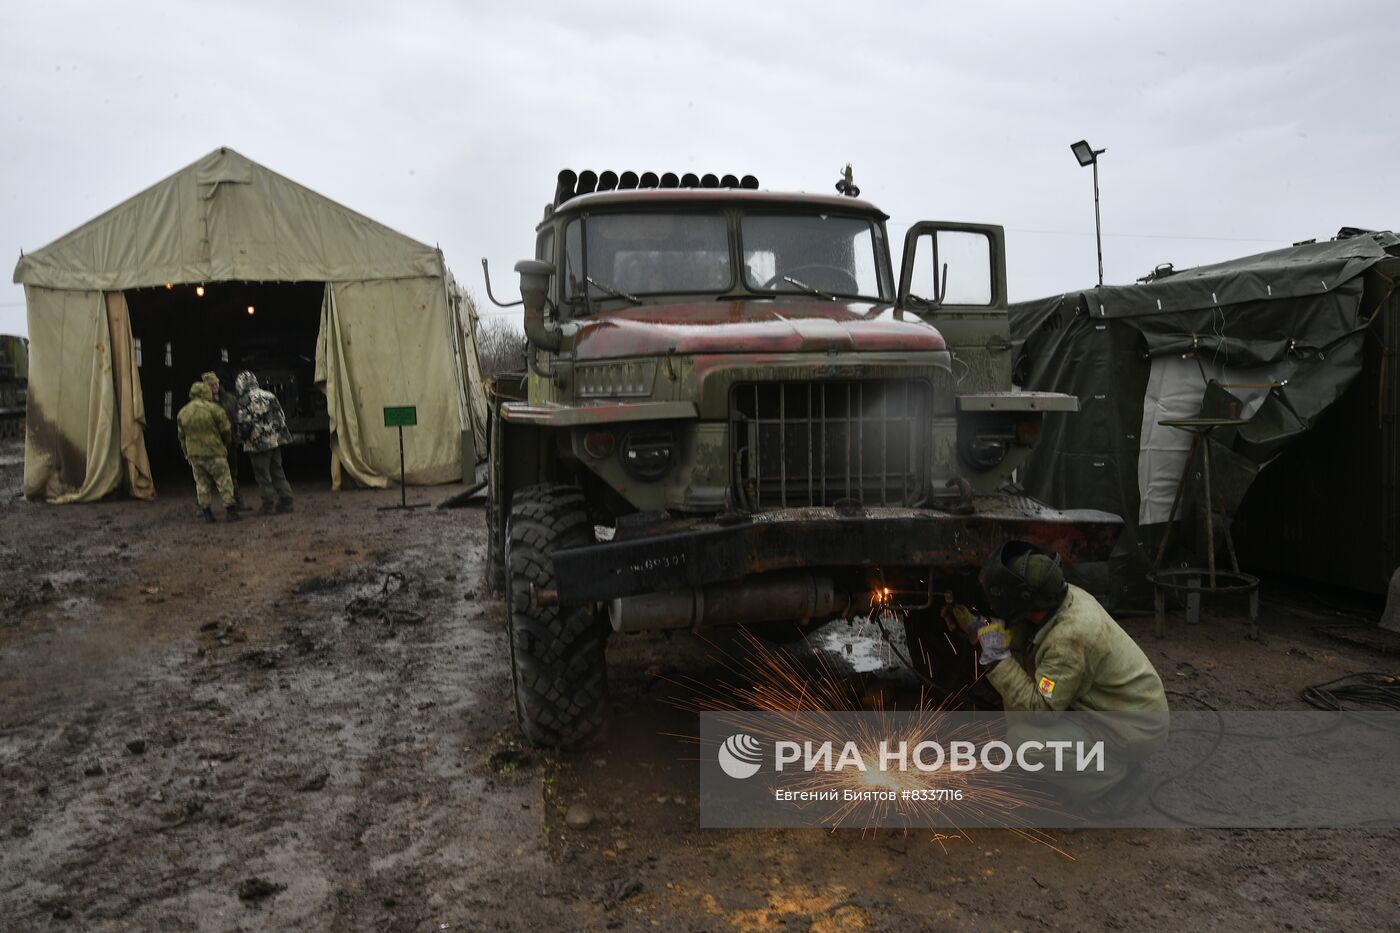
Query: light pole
point(1088, 155)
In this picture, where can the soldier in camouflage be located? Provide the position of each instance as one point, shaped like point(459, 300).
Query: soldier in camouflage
point(205, 434)
point(263, 428)
point(228, 401)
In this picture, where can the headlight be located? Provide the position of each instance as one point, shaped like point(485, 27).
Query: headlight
point(984, 446)
point(647, 454)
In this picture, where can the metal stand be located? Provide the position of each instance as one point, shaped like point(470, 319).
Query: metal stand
point(403, 486)
point(1188, 580)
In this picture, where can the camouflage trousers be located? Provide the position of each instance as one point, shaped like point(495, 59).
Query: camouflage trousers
point(211, 473)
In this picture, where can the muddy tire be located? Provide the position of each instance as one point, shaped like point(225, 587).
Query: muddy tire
point(556, 652)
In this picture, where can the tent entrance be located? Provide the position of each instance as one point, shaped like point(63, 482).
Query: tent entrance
point(178, 334)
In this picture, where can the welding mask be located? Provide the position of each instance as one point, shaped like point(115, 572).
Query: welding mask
point(1019, 578)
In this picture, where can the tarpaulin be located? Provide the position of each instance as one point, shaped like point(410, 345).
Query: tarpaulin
point(1281, 332)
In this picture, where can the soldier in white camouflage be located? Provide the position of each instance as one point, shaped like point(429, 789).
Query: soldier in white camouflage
point(205, 434)
point(263, 429)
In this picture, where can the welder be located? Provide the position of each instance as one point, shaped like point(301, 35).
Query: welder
point(1048, 646)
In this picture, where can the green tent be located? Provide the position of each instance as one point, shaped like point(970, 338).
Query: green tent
point(1295, 341)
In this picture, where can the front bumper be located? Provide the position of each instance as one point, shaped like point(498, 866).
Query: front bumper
point(677, 554)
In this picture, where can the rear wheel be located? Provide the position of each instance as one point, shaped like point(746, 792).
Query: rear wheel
point(556, 651)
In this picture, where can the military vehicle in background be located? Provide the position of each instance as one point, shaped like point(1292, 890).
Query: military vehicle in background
point(734, 413)
point(292, 378)
point(14, 383)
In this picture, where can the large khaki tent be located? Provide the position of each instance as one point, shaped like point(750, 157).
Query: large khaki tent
point(375, 312)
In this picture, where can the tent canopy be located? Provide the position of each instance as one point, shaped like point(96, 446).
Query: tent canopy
point(226, 218)
point(390, 334)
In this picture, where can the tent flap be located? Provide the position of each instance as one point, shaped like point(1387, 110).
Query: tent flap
point(381, 346)
point(131, 405)
point(72, 442)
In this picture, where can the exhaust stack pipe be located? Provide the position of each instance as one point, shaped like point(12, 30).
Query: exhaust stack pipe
point(780, 598)
point(534, 292)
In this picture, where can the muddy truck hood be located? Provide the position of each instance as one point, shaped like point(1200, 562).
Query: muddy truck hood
point(745, 326)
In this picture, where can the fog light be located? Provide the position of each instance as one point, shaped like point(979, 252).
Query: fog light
point(648, 454)
point(985, 451)
point(599, 444)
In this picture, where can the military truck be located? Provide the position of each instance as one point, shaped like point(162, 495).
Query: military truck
point(14, 383)
point(734, 414)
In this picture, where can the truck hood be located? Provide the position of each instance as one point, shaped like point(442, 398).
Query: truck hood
point(746, 326)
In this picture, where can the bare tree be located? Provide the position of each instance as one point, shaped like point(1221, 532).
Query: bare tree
point(500, 347)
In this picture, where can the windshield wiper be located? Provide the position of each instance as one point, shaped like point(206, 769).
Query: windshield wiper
point(612, 291)
point(808, 288)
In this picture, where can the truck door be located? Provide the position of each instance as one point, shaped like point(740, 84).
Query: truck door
point(953, 275)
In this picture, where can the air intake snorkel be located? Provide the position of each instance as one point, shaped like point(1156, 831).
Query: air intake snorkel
point(534, 292)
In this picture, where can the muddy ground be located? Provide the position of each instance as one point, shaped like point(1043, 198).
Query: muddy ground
point(230, 727)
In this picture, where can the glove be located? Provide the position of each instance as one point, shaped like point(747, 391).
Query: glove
point(992, 638)
point(964, 620)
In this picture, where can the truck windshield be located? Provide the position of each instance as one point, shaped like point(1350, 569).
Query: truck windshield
point(817, 254)
point(627, 255)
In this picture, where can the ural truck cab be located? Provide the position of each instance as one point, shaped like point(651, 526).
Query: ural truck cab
point(734, 413)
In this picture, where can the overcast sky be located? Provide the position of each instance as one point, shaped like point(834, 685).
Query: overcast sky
point(1231, 128)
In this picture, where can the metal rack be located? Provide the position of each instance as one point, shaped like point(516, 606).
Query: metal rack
point(1211, 580)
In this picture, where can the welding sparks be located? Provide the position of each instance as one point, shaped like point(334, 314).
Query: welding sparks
point(814, 703)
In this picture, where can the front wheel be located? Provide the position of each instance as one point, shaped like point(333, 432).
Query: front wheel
point(556, 651)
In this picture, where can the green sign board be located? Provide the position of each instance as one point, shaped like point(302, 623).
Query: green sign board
point(401, 416)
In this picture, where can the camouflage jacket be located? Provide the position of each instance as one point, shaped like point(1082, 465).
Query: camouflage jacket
point(204, 429)
point(261, 424)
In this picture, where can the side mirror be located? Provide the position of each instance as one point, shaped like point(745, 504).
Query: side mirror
point(534, 293)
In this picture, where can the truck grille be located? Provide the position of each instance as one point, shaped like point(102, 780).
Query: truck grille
point(815, 443)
